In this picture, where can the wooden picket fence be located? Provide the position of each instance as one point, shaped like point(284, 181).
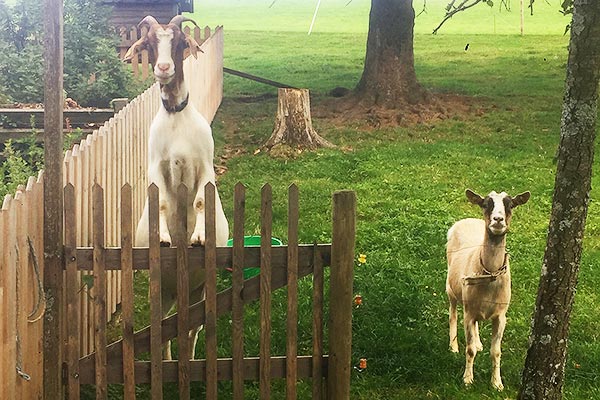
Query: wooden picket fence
point(113, 155)
point(279, 266)
point(22, 300)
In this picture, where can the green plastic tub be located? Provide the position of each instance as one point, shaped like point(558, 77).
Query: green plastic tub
point(254, 240)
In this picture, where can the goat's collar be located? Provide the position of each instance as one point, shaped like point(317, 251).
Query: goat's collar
point(487, 276)
point(179, 107)
point(502, 269)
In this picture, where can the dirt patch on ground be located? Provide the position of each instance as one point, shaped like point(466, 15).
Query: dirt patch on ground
point(440, 106)
point(340, 110)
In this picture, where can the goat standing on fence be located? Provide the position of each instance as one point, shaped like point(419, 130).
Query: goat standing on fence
point(479, 276)
point(180, 150)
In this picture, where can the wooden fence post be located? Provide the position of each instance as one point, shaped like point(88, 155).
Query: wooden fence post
point(340, 295)
point(53, 200)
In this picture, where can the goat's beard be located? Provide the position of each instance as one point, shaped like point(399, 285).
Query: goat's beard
point(497, 231)
point(164, 80)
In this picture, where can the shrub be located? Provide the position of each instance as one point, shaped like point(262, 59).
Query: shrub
point(93, 72)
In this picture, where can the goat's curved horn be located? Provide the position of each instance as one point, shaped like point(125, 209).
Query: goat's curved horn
point(179, 19)
point(148, 20)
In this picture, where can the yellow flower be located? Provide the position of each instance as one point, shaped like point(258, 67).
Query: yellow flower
point(362, 258)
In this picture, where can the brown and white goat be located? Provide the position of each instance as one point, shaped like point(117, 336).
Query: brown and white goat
point(479, 276)
point(180, 150)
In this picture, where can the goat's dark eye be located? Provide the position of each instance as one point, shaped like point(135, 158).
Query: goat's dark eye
point(507, 204)
point(488, 204)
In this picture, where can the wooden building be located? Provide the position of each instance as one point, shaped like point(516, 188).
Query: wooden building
point(130, 12)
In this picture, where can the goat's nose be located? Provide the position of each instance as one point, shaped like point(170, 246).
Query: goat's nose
point(164, 66)
point(498, 219)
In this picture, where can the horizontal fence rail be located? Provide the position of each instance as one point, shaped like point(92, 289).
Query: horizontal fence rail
point(120, 362)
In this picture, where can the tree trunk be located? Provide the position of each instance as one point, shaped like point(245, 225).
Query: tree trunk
point(543, 375)
point(389, 77)
point(293, 126)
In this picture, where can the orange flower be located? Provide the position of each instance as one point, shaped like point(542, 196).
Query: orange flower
point(358, 300)
point(363, 363)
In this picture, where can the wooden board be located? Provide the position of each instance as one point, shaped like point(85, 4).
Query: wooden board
point(127, 293)
point(239, 201)
point(99, 293)
point(198, 370)
point(155, 295)
point(168, 257)
point(211, 292)
point(266, 215)
point(292, 295)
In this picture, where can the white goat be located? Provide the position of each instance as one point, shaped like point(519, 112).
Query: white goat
point(479, 276)
point(180, 150)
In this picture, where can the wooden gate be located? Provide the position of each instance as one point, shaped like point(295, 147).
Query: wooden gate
point(280, 266)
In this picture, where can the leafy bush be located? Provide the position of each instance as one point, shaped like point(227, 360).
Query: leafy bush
point(24, 157)
point(15, 170)
point(93, 72)
point(21, 63)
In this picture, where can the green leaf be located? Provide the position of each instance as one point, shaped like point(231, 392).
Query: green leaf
point(88, 280)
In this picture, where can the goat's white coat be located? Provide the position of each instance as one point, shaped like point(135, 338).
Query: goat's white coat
point(180, 150)
point(472, 244)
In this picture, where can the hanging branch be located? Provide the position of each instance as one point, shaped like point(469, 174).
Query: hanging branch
point(451, 10)
point(506, 4)
point(424, 10)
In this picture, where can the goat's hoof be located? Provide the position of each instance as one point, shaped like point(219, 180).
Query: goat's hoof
point(165, 244)
point(497, 384)
point(468, 380)
point(479, 346)
point(454, 347)
point(197, 240)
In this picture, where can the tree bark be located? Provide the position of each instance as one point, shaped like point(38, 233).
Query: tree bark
point(293, 124)
point(543, 375)
point(389, 77)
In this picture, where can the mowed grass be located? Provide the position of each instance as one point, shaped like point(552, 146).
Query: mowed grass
point(352, 16)
point(410, 184)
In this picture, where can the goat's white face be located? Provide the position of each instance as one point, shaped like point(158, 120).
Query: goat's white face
point(497, 208)
point(164, 67)
point(165, 45)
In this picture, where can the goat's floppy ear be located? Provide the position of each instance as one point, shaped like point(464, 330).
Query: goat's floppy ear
point(474, 197)
point(193, 45)
point(135, 48)
point(520, 199)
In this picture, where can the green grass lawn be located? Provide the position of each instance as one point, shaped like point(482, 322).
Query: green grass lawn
point(352, 16)
point(410, 183)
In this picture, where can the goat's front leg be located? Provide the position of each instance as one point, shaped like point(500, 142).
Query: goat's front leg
point(453, 325)
point(156, 174)
point(470, 349)
point(498, 325)
point(478, 343)
point(196, 296)
point(199, 235)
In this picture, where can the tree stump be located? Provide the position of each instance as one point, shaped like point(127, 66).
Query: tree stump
point(293, 124)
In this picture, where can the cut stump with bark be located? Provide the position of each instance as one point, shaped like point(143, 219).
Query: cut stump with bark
point(293, 124)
